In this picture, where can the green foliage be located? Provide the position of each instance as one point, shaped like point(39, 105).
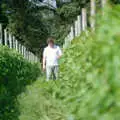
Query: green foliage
point(68, 11)
point(32, 25)
point(89, 85)
point(116, 1)
point(37, 102)
point(15, 74)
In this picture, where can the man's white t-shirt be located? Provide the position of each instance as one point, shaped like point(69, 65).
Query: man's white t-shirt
point(51, 55)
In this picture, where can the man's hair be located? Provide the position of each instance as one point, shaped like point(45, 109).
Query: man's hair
point(50, 40)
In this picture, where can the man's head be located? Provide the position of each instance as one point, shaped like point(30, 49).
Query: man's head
point(50, 42)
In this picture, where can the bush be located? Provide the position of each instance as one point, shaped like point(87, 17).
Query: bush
point(89, 87)
point(15, 74)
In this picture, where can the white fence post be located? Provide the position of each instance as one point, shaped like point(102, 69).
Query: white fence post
point(16, 45)
point(22, 50)
point(72, 33)
point(10, 40)
point(5, 37)
point(31, 57)
point(79, 24)
point(1, 35)
point(84, 19)
point(76, 28)
point(13, 42)
point(103, 3)
point(93, 9)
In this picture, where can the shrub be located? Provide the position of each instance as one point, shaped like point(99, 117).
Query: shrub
point(15, 74)
point(89, 87)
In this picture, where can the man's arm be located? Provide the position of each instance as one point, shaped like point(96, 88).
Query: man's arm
point(44, 60)
point(44, 63)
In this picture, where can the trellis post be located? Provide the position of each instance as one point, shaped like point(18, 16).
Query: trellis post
point(22, 50)
point(84, 19)
point(76, 30)
point(13, 42)
point(93, 9)
point(72, 33)
point(10, 40)
point(5, 37)
point(16, 45)
point(103, 3)
point(79, 24)
point(25, 52)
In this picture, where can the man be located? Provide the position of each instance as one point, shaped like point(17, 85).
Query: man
point(52, 53)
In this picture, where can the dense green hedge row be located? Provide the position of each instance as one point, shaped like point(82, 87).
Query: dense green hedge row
point(89, 87)
point(15, 74)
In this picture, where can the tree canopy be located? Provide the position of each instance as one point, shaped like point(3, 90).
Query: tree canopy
point(32, 25)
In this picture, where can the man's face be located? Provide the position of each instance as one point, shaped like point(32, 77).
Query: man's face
point(51, 44)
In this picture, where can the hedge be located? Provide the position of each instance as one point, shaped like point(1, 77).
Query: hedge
point(15, 74)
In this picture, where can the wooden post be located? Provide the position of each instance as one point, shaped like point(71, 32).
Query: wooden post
point(1, 36)
point(72, 33)
point(10, 40)
point(79, 24)
point(93, 9)
point(5, 37)
point(76, 28)
point(25, 52)
point(103, 3)
point(14, 44)
point(22, 50)
point(71, 36)
point(84, 19)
